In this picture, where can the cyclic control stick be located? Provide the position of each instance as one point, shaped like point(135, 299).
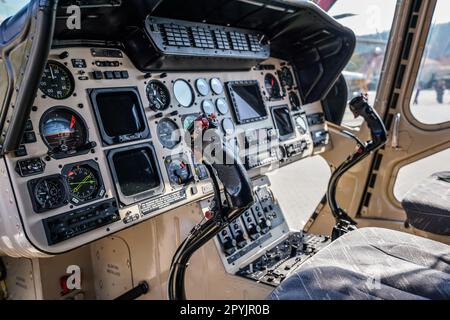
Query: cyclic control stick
point(224, 166)
point(359, 107)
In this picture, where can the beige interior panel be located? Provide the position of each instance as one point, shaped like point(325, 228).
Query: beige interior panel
point(21, 281)
point(52, 269)
point(111, 264)
point(152, 246)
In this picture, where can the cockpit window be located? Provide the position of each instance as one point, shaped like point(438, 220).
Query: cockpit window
point(430, 99)
point(371, 21)
point(10, 7)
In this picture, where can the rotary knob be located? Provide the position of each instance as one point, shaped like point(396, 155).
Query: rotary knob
point(229, 245)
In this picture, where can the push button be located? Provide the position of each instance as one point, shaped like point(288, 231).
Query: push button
point(29, 137)
point(98, 75)
point(124, 74)
point(21, 151)
point(109, 75)
point(117, 75)
point(29, 125)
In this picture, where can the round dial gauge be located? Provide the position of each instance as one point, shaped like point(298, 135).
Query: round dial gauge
point(158, 95)
point(178, 171)
point(272, 86)
point(168, 133)
point(216, 86)
point(208, 107)
point(222, 106)
point(228, 126)
point(49, 193)
point(295, 101)
point(202, 86)
point(286, 77)
point(301, 124)
point(182, 91)
point(57, 82)
point(83, 182)
point(187, 121)
point(63, 130)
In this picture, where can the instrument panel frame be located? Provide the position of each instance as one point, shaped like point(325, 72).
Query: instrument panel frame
point(33, 234)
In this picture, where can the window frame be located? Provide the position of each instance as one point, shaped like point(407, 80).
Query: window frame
point(423, 29)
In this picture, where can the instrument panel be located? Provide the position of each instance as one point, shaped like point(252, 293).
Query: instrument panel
point(106, 147)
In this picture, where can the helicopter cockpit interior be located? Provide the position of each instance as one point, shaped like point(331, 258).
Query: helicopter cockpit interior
point(155, 149)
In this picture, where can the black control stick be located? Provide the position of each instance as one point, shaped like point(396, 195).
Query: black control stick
point(359, 107)
point(224, 166)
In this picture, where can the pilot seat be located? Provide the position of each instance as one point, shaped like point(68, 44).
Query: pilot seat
point(372, 263)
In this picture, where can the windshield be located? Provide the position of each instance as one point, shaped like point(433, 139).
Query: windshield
point(371, 21)
point(10, 7)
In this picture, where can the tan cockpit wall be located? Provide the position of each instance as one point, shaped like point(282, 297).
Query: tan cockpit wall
point(415, 140)
point(115, 264)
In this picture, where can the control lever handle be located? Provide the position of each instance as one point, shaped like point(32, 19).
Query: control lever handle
point(224, 166)
point(213, 151)
point(359, 107)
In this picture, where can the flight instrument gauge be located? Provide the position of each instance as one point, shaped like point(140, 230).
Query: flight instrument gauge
point(228, 126)
point(158, 95)
point(47, 193)
point(57, 82)
point(222, 106)
point(286, 78)
point(216, 86)
point(202, 86)
point(301, 125)
point(178, 171)
point(188, 120)
point(63, 130)
point(168, 133)
point(84, 181)
point(183, 92)
point(208, 107)
point(272, 86)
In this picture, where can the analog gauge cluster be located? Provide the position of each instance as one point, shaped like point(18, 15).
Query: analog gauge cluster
point(78, 183)
point(57, 81)
point(286, 77)
point(287, 82)
point(209, 92)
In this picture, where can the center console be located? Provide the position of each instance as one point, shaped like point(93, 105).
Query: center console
point(259, 245)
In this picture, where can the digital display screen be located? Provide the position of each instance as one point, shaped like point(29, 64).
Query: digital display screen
point(139, 177)
point(283, 122)
point(119, 113)
point(247, 101)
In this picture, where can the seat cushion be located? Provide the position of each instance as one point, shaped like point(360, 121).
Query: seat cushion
point(372, 263)
point(427, 205)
